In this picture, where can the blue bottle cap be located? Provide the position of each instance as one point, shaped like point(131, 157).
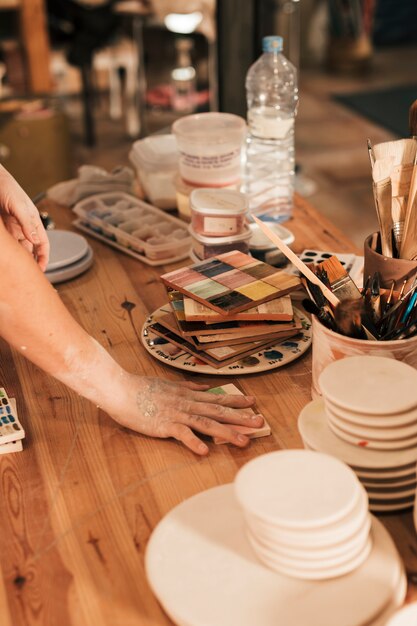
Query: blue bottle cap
point(272, 44)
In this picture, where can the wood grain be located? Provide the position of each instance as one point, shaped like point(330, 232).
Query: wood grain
point(79, 503)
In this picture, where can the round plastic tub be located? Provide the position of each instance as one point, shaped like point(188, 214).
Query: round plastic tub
point(206, 247)
point(210, 146)
point(218, 212)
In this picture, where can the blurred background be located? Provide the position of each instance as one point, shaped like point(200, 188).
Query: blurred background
point(80, 80)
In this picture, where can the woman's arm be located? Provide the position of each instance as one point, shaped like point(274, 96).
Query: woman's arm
point(35, 321)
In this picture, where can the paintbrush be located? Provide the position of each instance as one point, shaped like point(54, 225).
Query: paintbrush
point(291, 256)
point(409, 240)
point(349, 316)
point(324, 316)
point(340, 282)
point(375, 298)
point(381, 173)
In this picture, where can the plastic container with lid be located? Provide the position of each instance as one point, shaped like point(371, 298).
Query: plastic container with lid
point(218, 212)
point(206, 247)
point(264, 249)
point(156, 161)
point(210, 146)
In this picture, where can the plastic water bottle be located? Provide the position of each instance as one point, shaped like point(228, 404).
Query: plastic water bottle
point(272, 97)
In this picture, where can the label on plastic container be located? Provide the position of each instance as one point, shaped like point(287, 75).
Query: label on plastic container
point(220, 225)
point(267, 125)
point(219, 168)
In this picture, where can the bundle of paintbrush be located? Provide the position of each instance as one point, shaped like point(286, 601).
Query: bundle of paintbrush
point(227, 307)
point(394, 175)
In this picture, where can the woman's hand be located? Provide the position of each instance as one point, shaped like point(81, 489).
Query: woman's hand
point(161, 408)
point(22, 219)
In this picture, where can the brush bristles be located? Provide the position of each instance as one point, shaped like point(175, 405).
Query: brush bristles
point(334, 269)
point(348, 316)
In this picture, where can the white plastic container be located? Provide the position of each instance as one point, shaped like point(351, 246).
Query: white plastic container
point(218, 212)
point(156, 161)
point(206, 247)
point(210, 146)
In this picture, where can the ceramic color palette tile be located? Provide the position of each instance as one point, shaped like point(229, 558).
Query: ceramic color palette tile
point(215, 284)
point(237, 259)
point(207, 289)
point(234, 279)
point(257, 290)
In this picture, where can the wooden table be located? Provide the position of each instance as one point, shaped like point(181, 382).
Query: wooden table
point(79, 503)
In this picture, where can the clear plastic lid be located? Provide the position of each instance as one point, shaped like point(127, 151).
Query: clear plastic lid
point(156, 151)
point(220, 241)
point(259, 241)
point(218, 128)
point(218, 201)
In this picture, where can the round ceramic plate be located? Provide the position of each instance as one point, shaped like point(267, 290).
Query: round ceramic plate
point(370, 443)
point(66, 248)
point(270, 358)
point(387, 421)
point(370, 384)
point(315, 431)
point(365, 432)
point(298, 490)
point(71, 271)
point(199, 563)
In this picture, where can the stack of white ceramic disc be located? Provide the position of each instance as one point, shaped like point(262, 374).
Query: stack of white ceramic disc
point(407, 616)
point(372, 402)
point(202, 568)
point(70, 256)
point(368, 419)
point(306, 514)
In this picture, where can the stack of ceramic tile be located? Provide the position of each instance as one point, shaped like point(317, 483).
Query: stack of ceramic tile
point(11, 431)
point(306, 514)
point(227, 307)
point(368, 419)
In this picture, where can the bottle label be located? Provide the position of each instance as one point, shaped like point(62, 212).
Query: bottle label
point(268, 126)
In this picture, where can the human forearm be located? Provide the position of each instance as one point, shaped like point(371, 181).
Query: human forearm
point(34, 320)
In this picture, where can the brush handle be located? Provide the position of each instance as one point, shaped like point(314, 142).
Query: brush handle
point(291, 256)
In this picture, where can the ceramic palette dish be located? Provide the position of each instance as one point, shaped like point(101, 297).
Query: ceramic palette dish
point(202, 568)
point(278, 355)
point(231, 282)
point(379, 464)
point(70, 256)
point(304, 500)
point(135, 227)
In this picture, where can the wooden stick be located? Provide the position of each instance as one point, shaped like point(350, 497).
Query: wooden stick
point(291, 256)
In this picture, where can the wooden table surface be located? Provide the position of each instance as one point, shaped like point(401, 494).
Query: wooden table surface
point(79, 503)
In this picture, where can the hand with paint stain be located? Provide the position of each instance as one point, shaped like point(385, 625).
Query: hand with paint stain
point(164, 409)
point(22, 219)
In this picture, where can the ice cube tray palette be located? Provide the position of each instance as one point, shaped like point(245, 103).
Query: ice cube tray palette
point(10, 428)
point(134, 227)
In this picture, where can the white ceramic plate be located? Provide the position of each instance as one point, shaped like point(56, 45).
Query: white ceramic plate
point(368, 432)
point(362, 419)
point(66, 248)
point(298, 490)
point(270, 358)
point(315, 431)
point(203, 570)
point(370, 384)
point(71, 271)
point(372, 444)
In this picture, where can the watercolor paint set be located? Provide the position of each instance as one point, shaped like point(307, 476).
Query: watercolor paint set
point(252, 433)
point(231, 282)
point(11, 430)
point(134, 227)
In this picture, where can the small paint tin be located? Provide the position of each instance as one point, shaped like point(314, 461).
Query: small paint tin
point(206, 247)
point(218, 212)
